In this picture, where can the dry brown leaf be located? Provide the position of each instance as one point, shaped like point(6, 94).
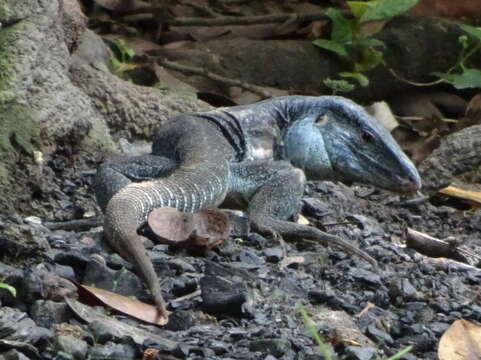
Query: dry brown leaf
point(473, 114)
point(462, 341)
point(382, 113)
point(291, 260)
point(474, 106)
point(126, 305)
point(372, 27)
point(201, 230)
point(302, 220)
point(473, 197)
point(170, 224)
point(423, 110)
point(416, 146)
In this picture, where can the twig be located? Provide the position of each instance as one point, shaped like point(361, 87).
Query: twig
point(187, 297)
point(248, 20)
point(75, 225)
point(395, 74)
point(259, 90)
point(414, 201)
point(432, 247)
point(451, 265)
point(145, 13)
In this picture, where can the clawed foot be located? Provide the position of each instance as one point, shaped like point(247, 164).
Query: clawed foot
point(293, 231)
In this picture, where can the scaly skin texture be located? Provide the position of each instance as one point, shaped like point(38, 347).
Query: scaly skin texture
point(255, 154)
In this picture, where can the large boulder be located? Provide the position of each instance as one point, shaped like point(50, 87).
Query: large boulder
point(56, 90)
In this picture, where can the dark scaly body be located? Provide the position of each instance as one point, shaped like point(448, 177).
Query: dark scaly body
point(253, 153)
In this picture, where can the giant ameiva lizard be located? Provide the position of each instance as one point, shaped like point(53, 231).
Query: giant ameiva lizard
point(260, 154)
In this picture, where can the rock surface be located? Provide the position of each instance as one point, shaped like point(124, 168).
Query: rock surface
point(57, 94)
point(238, 301)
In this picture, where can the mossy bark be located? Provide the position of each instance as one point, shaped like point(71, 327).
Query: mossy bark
point(17, 127)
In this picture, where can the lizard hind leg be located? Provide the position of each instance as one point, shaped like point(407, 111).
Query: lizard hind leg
point(114, 175)
point(278, 199)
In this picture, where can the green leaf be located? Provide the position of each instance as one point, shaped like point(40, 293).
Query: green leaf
point(370, 42)
point(471, 30)
point(385, 9)
point(338, 85)
point(115, 63)
point(129, 52)
point(323, 349)
point(401, 353)
point(10, 288)
point(358, 8)
point(470, 78)
point(342, 28)
point(333, 46)
point(360, 78)
point(370, 58)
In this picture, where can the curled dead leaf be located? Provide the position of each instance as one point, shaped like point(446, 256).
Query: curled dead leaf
point(472, 197)
point(462, 341)
point(126, 305)
point(199, 231)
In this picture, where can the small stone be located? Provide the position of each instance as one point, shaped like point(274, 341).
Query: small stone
point(402, 288)
point(379, 335)
point(62, 355)
point(315, 207)
point(222, 296)
point(113, 351)
point(180, 266)
point(340, 325)
point(122, 281)
point(203, 352)
point(64, 271)
point(72, 258)
point(256, 240)
point(182, 286)
point(360, 353)
point(180, 320)
point(102, 332)
point(366, 276)
point(33, 220)
point(369, 226)
point(219, 348)
point(274, 254)
point(13, 355)
point(275, 347)
point(270, 357)
point(73, 346)
point(249, 257)
point(408, 290)
point(17, 326)
point(438, 328)
point(46, 313)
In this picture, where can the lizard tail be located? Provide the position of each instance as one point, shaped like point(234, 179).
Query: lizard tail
point(130, 206)
point(125, 240)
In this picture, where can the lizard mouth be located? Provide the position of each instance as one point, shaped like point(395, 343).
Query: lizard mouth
point(402, 178)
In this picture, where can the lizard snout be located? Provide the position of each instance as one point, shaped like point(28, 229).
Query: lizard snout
point(409, 183)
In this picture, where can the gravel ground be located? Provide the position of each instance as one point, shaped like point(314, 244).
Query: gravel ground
point(250, 286)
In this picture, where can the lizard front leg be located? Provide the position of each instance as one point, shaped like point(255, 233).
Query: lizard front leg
point(274, 191)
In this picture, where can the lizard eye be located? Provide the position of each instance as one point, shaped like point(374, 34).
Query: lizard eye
point(367, 137)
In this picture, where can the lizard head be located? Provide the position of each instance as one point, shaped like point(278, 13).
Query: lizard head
point(339, 140)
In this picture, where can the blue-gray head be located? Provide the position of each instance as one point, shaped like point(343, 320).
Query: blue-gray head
point(332, 138)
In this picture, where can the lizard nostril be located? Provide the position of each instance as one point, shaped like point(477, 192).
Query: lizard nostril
point(415, 181)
